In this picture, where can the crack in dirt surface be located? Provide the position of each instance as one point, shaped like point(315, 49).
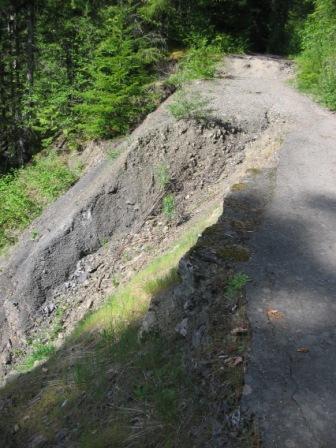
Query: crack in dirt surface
point(297, 403)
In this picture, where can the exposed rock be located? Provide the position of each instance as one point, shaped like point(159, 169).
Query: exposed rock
point(38, 441)
point(182, 328)
point(149, 324)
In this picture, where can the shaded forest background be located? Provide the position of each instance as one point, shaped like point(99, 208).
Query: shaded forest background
point(84, 69)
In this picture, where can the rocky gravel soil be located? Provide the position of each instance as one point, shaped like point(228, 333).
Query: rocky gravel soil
point(110, 223)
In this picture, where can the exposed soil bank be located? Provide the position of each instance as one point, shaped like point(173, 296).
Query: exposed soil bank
point(115, 200)
point(276, 224)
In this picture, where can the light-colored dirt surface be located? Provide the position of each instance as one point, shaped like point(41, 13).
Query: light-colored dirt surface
point(290, 384)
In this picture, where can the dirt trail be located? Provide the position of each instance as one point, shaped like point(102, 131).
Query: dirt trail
point(290, 380)
point(290, 384)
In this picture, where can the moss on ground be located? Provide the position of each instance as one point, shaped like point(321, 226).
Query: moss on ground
point(234, 252)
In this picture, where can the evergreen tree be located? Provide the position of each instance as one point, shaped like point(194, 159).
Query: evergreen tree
point(120, 72)
point(82, 67)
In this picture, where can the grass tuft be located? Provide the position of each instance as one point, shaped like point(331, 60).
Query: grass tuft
point(40, 352)
point(162, 175)
point(113, 154)
point(199, 63)
point(201, 60)
point(168, 205)
point(236, 284)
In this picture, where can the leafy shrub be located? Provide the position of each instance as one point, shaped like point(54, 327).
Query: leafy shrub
point(202, 58)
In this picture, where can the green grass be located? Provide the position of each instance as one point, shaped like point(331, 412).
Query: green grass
point(25, 192)
point(114, 388)
point(154, 287)
point(154, 384)
point(130, 302)
point(148, 373)
point(198, 64)
point(57, 325)
point(40, 351)
point(113, 154)
point(201, 60)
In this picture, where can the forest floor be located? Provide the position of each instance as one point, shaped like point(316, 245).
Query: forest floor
point(162, 362)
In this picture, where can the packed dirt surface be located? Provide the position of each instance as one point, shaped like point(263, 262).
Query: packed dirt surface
point(290, 384)
point(112, 222)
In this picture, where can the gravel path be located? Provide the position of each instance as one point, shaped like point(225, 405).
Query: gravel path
point(291, 377)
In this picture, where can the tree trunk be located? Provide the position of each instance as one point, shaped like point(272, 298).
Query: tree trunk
point(31, 43)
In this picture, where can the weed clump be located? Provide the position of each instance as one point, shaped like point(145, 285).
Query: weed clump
point(201, 61)
point(169, 206)
point(188, 106)
point(162, 175)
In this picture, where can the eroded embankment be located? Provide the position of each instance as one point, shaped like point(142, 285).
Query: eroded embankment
point(176, 380)
point(138, 227)
point(110, 203)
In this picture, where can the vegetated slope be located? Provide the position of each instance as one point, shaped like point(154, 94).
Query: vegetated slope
point(317, 60)
point(86, 70)
point(126, 389)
